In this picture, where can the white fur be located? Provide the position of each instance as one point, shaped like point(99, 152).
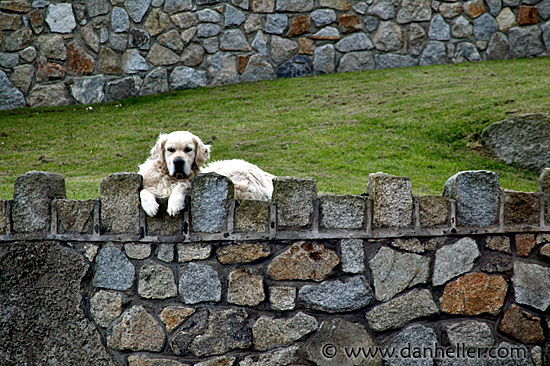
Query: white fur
point(161, 178)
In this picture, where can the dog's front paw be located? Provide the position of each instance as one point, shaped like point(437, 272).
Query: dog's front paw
point(149, 203)
point(175, 204)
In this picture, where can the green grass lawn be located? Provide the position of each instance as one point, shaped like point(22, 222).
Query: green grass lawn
point(422, 123)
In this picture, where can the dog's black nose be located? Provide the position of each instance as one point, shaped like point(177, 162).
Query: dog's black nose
point(179, 163)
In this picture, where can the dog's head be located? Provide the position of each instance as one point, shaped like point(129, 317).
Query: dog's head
point(181, 152)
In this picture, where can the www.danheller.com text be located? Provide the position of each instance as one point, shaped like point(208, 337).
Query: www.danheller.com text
point(409, 351)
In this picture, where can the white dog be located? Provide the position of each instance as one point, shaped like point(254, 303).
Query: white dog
point(177, 158)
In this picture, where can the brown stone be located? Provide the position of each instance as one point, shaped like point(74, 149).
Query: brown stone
point(49, 70)
point(90, 37)
point(173, 316)
point(137, 331)
point(262, 6)
point(499, 242)
point(19, 6)
point(303, 261)
point(522, 326)
point(307, 46)
point(78, 61)
point(528, 15)
point(142, 360)
point(108, 62)
point(18, 40)
point(525, 244)
point(245, 288)
point(9, 21)
point(250, 216)
point(349, 22)
point(335, 4)
point(521, 208)
point(242, 253)
point(299, 25)
point(157, 22)
point(474, 8)
point(474, 294)
point(434, 211)
point(37, 21)
point(242, 61)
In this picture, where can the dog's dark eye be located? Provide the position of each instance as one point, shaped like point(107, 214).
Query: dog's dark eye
point(171, 149)
point(188, 149)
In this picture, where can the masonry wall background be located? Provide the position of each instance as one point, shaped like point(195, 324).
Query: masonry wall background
point(287, 282)
point(90, 51)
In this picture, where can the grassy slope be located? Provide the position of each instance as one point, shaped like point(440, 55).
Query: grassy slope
point(420, 122)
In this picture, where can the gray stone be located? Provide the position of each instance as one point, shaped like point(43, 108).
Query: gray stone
point(470, 333)
point(543, 9)
point(269, 333)
point(245, 287)
point(103, 35)
point(356, 61)
point(484, 27)
point(353, 255)
point(390, 61)
point(137, 331)
point(298, 6)
point(18, 40)
point(342, 212)
point(276, 23)
point(43, 321)
point(194, 325)
point(192, 56)
point(222, 68)
point(388, 37)
point(439, 29)
point(476, 193)
point(545, 28)
point(294, 198)
point(208, 30)
point(210, 196)
point(88, 90)
point(414, 11)
point(120, 203)
point(234, 40)
point(53, 47)
point(32, 197)
point(466, 52)
point(360, 8)
point(133, 62)
point(394, 272)
point(156, 281)
point(402, 310)
point(47, 95)
point(260, 43)
point(142, 360)
point(137, 251)
point(327, 33)
point(74, 216)
point(114, 271)
point(340, 333)
point(165, 253)
point(105, 307)
point(97, 7)
point(525, 41)
point(435, 53)
point(324, 59)
point(120, 22)
point(392, 200)
point(118, 41)
point(384, 9)
point(187, 78)
point(295, 67)
point(322, 17)
point(156, 82)
point(137, 9)
point(497, 48)
point(337, 296)
point(212, 45)
point(172, 40)
point(532, 285)
point(416, 337)
point(193, 251)
point(282, 298)
point(233, 16)
point(9, 60)
point(454, 260)
point(10, 96)
point(258, 68)
point(282, 357)
point(174, 6)
point(199, 283)
point(355, 42)
point(227, 330)
point(208, 16)
point(28, 54)
point(90, 37)
point(417, 39)
point(495, 6)
point(60, 18)
point(139, 39)
point(120, 89)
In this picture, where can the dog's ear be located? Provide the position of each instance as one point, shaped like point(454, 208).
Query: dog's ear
point(157, 152)
point(203, 152)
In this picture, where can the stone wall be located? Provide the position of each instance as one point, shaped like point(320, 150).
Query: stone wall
point(90, 51)
point(306, 279)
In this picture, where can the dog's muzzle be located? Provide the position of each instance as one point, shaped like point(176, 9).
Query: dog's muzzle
point(179, 168)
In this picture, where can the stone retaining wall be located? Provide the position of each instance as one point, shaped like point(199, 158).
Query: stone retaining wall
point(306, 279)
point(90, 51)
